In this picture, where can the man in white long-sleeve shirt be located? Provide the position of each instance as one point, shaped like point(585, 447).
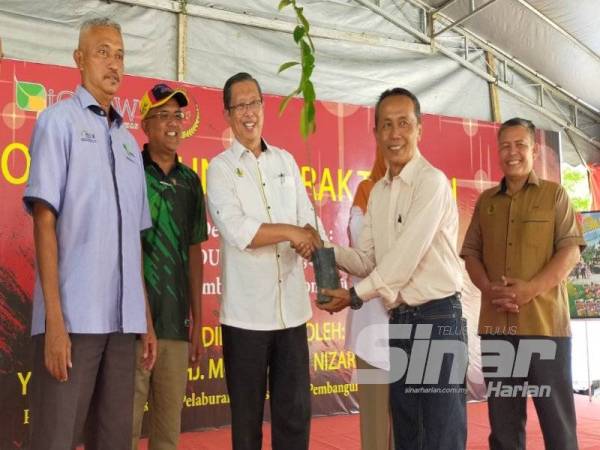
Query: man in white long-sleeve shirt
point(407, 254)
point(259, 203)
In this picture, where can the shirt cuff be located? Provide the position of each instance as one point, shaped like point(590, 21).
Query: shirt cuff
point(29, 200)
point(245, 234)
point(571, 240)
point(373, 286)
point(466, 251)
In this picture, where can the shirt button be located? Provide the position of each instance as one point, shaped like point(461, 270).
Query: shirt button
point(280, 281)
point(268, 207)
point(264, 184)
point(278, 255)
point(510, 243)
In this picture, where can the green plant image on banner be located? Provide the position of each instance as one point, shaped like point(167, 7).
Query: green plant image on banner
point(30, 96)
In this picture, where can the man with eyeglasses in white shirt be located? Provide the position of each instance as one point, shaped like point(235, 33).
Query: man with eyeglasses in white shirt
point(258, 201)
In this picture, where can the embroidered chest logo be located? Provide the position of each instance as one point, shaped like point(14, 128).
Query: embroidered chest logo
point(239, 172)
point(491, 209)
point(88, 136)
point(128, 152)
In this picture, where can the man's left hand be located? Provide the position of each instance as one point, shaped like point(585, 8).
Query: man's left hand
point(515, 293)
point(150, 345)
point(340, 299)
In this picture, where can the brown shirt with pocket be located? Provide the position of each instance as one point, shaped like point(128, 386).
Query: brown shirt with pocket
point(516, 236)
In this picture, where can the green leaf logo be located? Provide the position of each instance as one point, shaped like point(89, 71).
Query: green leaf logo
point(30, 96)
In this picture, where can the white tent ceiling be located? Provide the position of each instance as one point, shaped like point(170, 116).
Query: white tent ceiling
point(557, 38)
point(546, 63)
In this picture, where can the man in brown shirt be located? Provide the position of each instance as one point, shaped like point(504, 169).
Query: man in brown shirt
point(522, 243)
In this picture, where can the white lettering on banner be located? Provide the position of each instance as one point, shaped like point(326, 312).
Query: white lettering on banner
point(53, 98)
point(211, 256)
point(212, 288)
point(212, 230)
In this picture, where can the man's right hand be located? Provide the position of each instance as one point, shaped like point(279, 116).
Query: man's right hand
point(301, 241)
point(305, 240)
point(316, 238)
point(495, 295)
point(57, 351)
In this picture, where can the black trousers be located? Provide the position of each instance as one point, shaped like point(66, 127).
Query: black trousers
point(279, 358)
point(95, 404)
point(554, 402)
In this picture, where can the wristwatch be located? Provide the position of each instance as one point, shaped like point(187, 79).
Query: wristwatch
point(355, 301)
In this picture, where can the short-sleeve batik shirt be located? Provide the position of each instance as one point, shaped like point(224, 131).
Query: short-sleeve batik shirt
point(178, 221)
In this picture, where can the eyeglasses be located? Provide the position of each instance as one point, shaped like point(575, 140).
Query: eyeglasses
point(168, 116)
point(241, 108)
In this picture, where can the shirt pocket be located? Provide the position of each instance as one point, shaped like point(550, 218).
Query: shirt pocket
point(283, 186)
point(538, 228)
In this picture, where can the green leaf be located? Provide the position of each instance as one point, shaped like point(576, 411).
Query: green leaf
point(283, 104)
point(286, 66)
point(308, 61)
point(302, 19)
point(303, 123)
point(310, 41)
point(307, 120)
point(299, 33)
point(310, 113)
point(308, 92)
point(283, 4)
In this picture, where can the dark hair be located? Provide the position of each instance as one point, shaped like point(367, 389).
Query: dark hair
point(518, 122)
point(400, 92)
point(237, 78)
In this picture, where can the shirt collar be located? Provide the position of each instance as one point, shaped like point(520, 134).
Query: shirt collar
point(88, 101)
point(238, 149)
point(148, 161)
point(532, 179)
point(408, 172)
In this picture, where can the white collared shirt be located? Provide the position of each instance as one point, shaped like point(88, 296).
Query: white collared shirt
point(263, 288)
point(367, 330)
point(407, 249)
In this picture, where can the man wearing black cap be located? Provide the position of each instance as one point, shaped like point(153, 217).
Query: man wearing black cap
point(172, 267)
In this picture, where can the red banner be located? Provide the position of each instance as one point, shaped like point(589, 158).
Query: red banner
point(333, 162)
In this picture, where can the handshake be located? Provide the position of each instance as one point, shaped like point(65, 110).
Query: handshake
point(305, 240)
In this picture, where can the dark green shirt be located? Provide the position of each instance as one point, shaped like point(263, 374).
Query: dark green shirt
point(178, 221)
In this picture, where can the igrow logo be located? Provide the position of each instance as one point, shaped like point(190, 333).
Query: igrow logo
point(34, 97)
point(30, 96)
